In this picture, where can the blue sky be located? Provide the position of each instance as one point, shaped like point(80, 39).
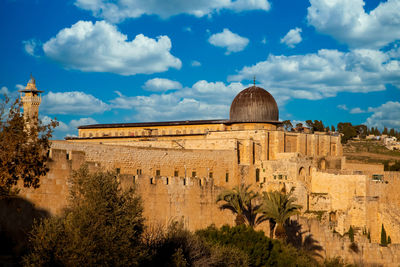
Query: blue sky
point(103, 61)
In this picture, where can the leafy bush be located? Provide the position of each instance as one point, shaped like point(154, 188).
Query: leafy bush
point(102, 226)
point(261, 250)
point(179, 247)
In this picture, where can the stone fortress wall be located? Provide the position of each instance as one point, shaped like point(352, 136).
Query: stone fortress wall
point(340, 199)
point(179, 168)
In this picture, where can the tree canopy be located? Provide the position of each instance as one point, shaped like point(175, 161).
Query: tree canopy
point(23, 150)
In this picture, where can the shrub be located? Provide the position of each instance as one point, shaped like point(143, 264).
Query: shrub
point(261, 250)
point(177, 246)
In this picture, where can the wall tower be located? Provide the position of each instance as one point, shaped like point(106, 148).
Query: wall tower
point(31, 99)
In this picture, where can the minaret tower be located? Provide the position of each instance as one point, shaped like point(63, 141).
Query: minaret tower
point(31, 100)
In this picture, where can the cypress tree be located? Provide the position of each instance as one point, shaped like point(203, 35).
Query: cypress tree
point(384, 241)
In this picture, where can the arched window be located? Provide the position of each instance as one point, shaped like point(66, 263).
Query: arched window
point(302, 174)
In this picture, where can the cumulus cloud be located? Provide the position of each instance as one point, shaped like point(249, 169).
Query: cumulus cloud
point(160, 84)
point(324, 74)
point(229, 40)
point(118, 10)
point(386, 115)
point(342, 106)
point(100, 47)
point(73, 102)
point(31, 47)
point(204, 100)
point(292, 38)
point(348, 22)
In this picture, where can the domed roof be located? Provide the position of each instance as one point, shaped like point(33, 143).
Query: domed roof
point(254, 104)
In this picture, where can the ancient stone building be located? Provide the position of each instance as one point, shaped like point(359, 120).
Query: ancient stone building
point(180, 167)
point(31, 100)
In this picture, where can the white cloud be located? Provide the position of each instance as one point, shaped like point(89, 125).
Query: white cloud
point(342, 106)
point(19, 86)
point(348, 22)
point(67, 129)
point(324, 74)
point(31, 46)
point(118, 10)
point(160, 85)
point(82, 121)
point(292, 38)
point(357, 111)
point(386, 115)
point(195, 63)
point(4, 91)
point(229, 40)
point(204, 100)
point(72, 103)
point(100, 47)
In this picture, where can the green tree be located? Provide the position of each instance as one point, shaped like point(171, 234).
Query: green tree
point(23, 152)
point(385, 131)
point(333, 129)
point(102, 226)
point(316, 126)
point(279, 207)
point(287, 124)
point(242, 202)
point(383, 237)
point(351, 234)
point(347, 130)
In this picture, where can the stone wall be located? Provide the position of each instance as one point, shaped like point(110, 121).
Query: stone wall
point(363, 253)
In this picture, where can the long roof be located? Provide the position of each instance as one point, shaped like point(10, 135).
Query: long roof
point(166, 123)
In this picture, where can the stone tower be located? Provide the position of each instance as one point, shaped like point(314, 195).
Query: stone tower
point(31, 99)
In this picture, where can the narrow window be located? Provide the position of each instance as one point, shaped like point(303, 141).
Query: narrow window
point(167, 181)
point(280, 177)
point(227, 177)
point(158, 173)
point(257, 175)
point(176, 173)
point(184, 181)
point(139, 171)
point(264, 179)
point(210, 175)
point(151, 180)
point(193, 174)
point(118, 170)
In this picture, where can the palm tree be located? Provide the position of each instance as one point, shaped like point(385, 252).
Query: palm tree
point(278, 207)
point(242, 202)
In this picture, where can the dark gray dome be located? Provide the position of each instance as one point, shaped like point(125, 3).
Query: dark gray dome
point(254, 104)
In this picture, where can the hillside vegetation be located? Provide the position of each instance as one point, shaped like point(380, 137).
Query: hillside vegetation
point(368, 151)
